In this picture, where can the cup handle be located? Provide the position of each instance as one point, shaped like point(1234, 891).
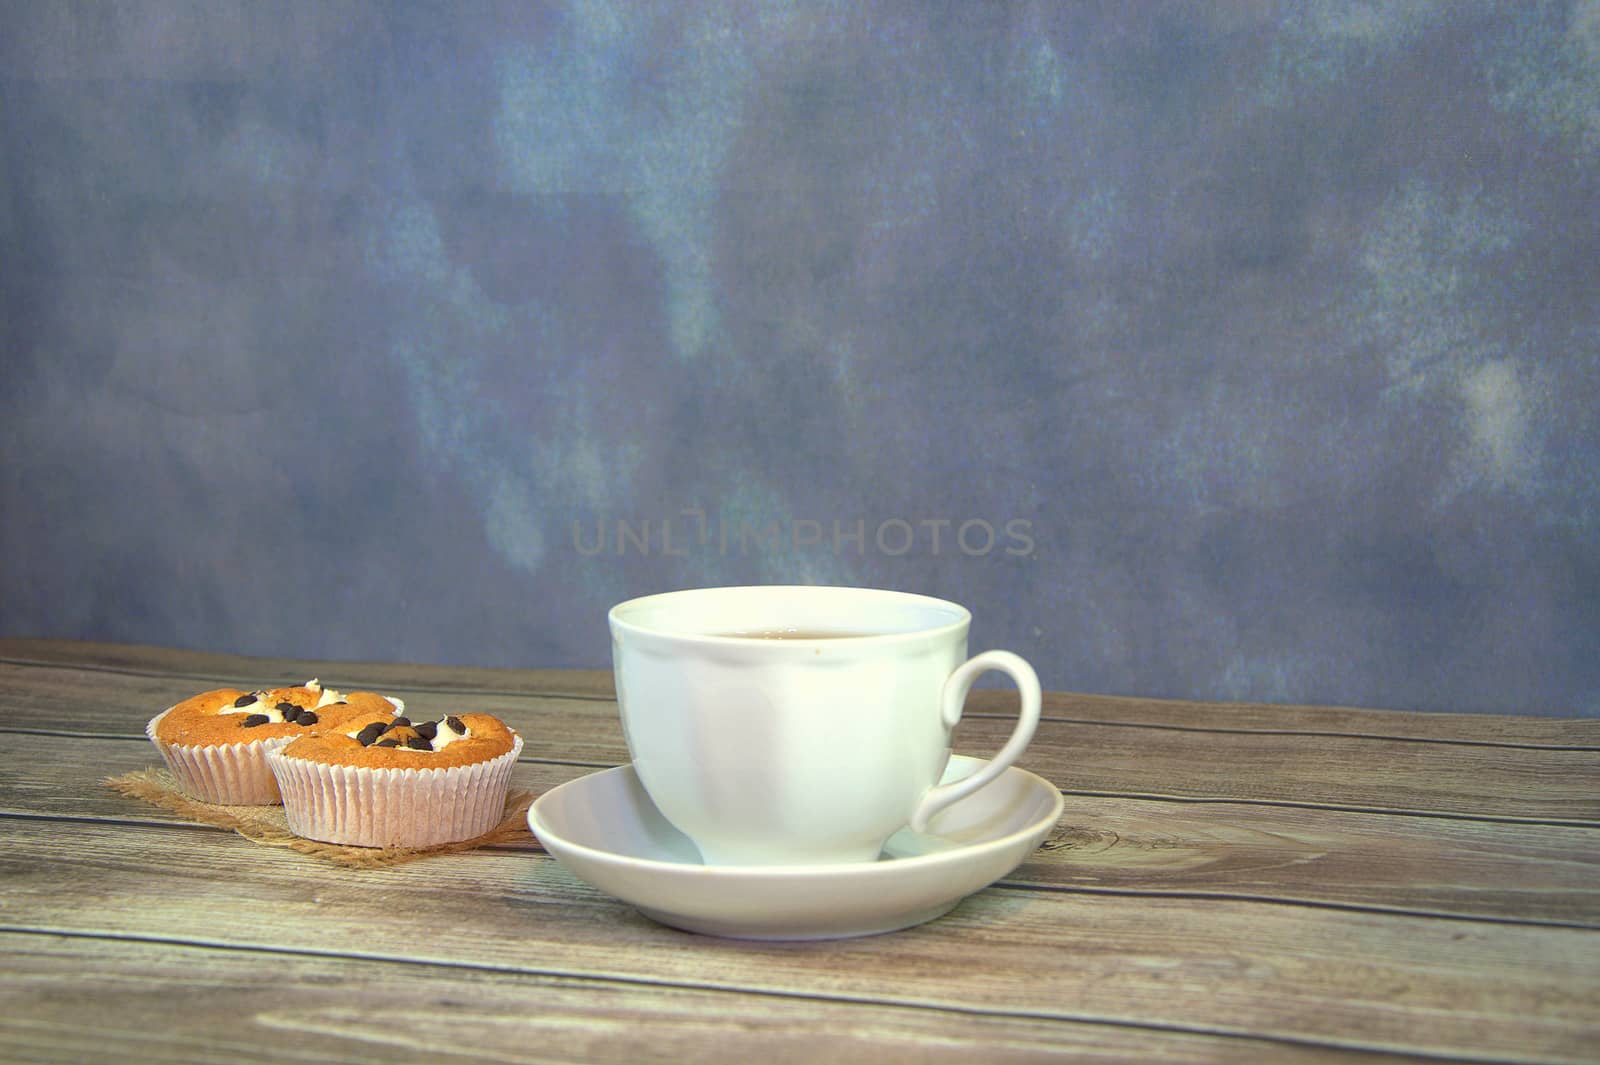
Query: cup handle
point(954, 700)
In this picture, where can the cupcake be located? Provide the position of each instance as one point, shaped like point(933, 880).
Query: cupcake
point(216, 743)
point(381, 781)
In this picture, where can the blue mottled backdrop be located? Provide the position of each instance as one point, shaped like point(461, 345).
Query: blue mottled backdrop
point(1243, 350)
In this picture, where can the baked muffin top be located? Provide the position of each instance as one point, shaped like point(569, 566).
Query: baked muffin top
point(383, 741)
point(231, 715)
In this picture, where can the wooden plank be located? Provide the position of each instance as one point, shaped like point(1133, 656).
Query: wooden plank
point(1423, 865)
point(1335, 772)
point(202, 669)
point(71, 999)
point(66, 698)
point(188, 667)
point(1431, 727)
point(1413, 985)
point(1529, 873)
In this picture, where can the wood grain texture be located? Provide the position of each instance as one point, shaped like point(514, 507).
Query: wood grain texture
point(1337, 772)
point(1227, 884)
point(1343, 979)
point(224, 1007)
point(1472, 729)
point(1527, 873)
point(1554, 786)
point(199, 669)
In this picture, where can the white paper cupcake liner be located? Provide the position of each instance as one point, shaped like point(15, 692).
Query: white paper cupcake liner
point(234, 774)
point(362, 807)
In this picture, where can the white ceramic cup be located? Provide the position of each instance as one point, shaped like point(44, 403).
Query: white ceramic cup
point(799, 751)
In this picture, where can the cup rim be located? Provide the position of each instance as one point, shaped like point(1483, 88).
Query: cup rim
point(961, 617)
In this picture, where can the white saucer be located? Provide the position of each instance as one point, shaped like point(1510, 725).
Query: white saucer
point(604, 829)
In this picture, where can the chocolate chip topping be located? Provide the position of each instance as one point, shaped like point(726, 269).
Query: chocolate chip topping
point(305, 717)
point(400, 732)
point(455, 724)
point(287, 709)
point(245, 700)
point(255, 719)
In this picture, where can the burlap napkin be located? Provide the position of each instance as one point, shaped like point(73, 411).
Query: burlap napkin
point(268, 826)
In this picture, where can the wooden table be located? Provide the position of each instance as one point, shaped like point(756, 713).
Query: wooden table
point(1229, 883)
